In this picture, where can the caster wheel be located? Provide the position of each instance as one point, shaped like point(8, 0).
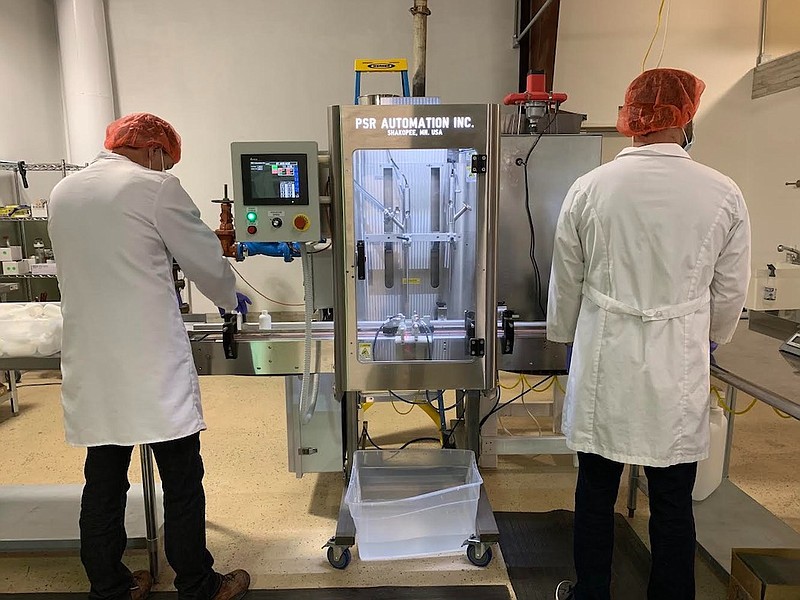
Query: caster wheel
point(479, 561)
point(344, 559)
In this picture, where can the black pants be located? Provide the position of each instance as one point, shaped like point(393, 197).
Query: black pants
point(672, 533)
point(102, 522)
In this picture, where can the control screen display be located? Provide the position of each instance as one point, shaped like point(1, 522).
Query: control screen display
point(272, 179)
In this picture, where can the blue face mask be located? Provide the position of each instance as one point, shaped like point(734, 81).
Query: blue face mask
point(688, 143)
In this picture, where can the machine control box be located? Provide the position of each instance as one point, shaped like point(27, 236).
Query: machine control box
point(276, 191)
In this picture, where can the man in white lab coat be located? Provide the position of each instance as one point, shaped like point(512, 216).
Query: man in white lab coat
point(651, 263)
point(128, 373)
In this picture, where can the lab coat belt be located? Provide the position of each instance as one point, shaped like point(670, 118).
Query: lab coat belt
point(661, 313)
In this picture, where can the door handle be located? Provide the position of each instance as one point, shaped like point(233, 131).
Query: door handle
point(794, 183)
point(361, 260)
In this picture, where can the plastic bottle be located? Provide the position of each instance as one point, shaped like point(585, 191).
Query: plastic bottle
point(709, 471)
point(265, 321)
point(771, 287)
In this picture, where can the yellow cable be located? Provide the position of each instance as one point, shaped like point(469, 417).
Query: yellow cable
point(560, 387)
point(515, 386)
point(715, 390)
point(727, 408)
point(782, 414)
point(539, 391)
point(402, 413)
point(655, 34)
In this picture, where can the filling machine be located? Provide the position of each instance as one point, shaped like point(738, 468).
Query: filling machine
point(408, 228)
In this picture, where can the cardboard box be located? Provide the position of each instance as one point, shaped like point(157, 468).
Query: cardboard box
point(765, 574)
point(44, 269)
point(7, 254)
point(39, 209)
point(21, 267)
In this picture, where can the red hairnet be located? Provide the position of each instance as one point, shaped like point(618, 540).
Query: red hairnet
point(659, 99)
point(143, 130)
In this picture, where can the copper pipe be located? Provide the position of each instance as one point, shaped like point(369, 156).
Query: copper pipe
point(226, 232)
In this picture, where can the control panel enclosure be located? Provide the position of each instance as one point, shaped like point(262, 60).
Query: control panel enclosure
point(276, 191)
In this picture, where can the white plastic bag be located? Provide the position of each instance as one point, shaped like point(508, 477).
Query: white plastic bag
point(30, 330)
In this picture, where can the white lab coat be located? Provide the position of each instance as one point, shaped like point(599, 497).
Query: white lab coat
point(651, 260)
point(128, 373)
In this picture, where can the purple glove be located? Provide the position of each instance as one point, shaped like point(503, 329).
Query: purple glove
point(712, 346)
point(242, 303)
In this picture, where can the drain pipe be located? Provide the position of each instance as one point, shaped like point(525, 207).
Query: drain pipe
point(420, 12)
point(762, 40)
point(85, 75)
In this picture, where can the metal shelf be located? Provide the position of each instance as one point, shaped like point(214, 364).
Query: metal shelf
point(23, 219)
point(28, 276)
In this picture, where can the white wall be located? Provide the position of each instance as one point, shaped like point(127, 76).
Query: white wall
point(31, 120)
point(267, 69)
point(783, 25)
point(756, 142)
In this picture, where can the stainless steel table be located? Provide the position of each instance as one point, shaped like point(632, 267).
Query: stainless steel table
point(18, 542)
point(729, 518)
point(7, 288)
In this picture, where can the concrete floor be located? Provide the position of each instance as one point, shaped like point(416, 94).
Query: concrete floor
point(263, 519)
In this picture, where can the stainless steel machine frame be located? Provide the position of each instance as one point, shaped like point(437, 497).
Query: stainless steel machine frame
point(554, 165)
point(351, 129)
point(357, 128)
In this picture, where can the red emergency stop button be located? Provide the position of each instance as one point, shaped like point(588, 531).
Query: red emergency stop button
point(252, 229)
point(301, 222)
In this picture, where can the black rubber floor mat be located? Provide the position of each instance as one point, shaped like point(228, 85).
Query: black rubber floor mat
point(537, 548)
point(475, 592)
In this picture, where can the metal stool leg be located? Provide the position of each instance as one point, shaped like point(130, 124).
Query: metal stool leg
point(633, 489)
point(151, 523)
point(13, 392)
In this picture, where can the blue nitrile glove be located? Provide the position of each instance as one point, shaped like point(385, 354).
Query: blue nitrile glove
point(242, 303)
point(569, 356)
point(278, 249)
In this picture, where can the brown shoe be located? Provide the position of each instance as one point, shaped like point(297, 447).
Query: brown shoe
point(141, 585)
point(234, 586)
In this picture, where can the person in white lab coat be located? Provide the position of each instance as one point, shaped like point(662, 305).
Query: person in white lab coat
point(128, 373)
point(651, 264)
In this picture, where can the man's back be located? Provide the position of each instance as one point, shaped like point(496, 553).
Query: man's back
point(651, 259)
point(128, 371)
point(664, 218)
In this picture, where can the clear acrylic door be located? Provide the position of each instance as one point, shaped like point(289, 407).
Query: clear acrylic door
point(415, 238)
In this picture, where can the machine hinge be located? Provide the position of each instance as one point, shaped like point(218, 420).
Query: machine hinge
point(477, 347)
point(306, 451)
point(479, 162)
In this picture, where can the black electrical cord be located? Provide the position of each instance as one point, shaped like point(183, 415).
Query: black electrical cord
point(439, 394)
point(417, 440)
point(26, 385)
point(370, 440)
point(498, 406)
point(524, 164)
point(459, 421)
point(396, 396)
point(428, 337)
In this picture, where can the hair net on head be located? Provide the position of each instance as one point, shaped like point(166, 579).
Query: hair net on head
point(143, 130)
point(659, 99)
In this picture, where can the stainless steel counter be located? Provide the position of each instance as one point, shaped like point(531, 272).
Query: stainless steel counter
point(753, 364)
